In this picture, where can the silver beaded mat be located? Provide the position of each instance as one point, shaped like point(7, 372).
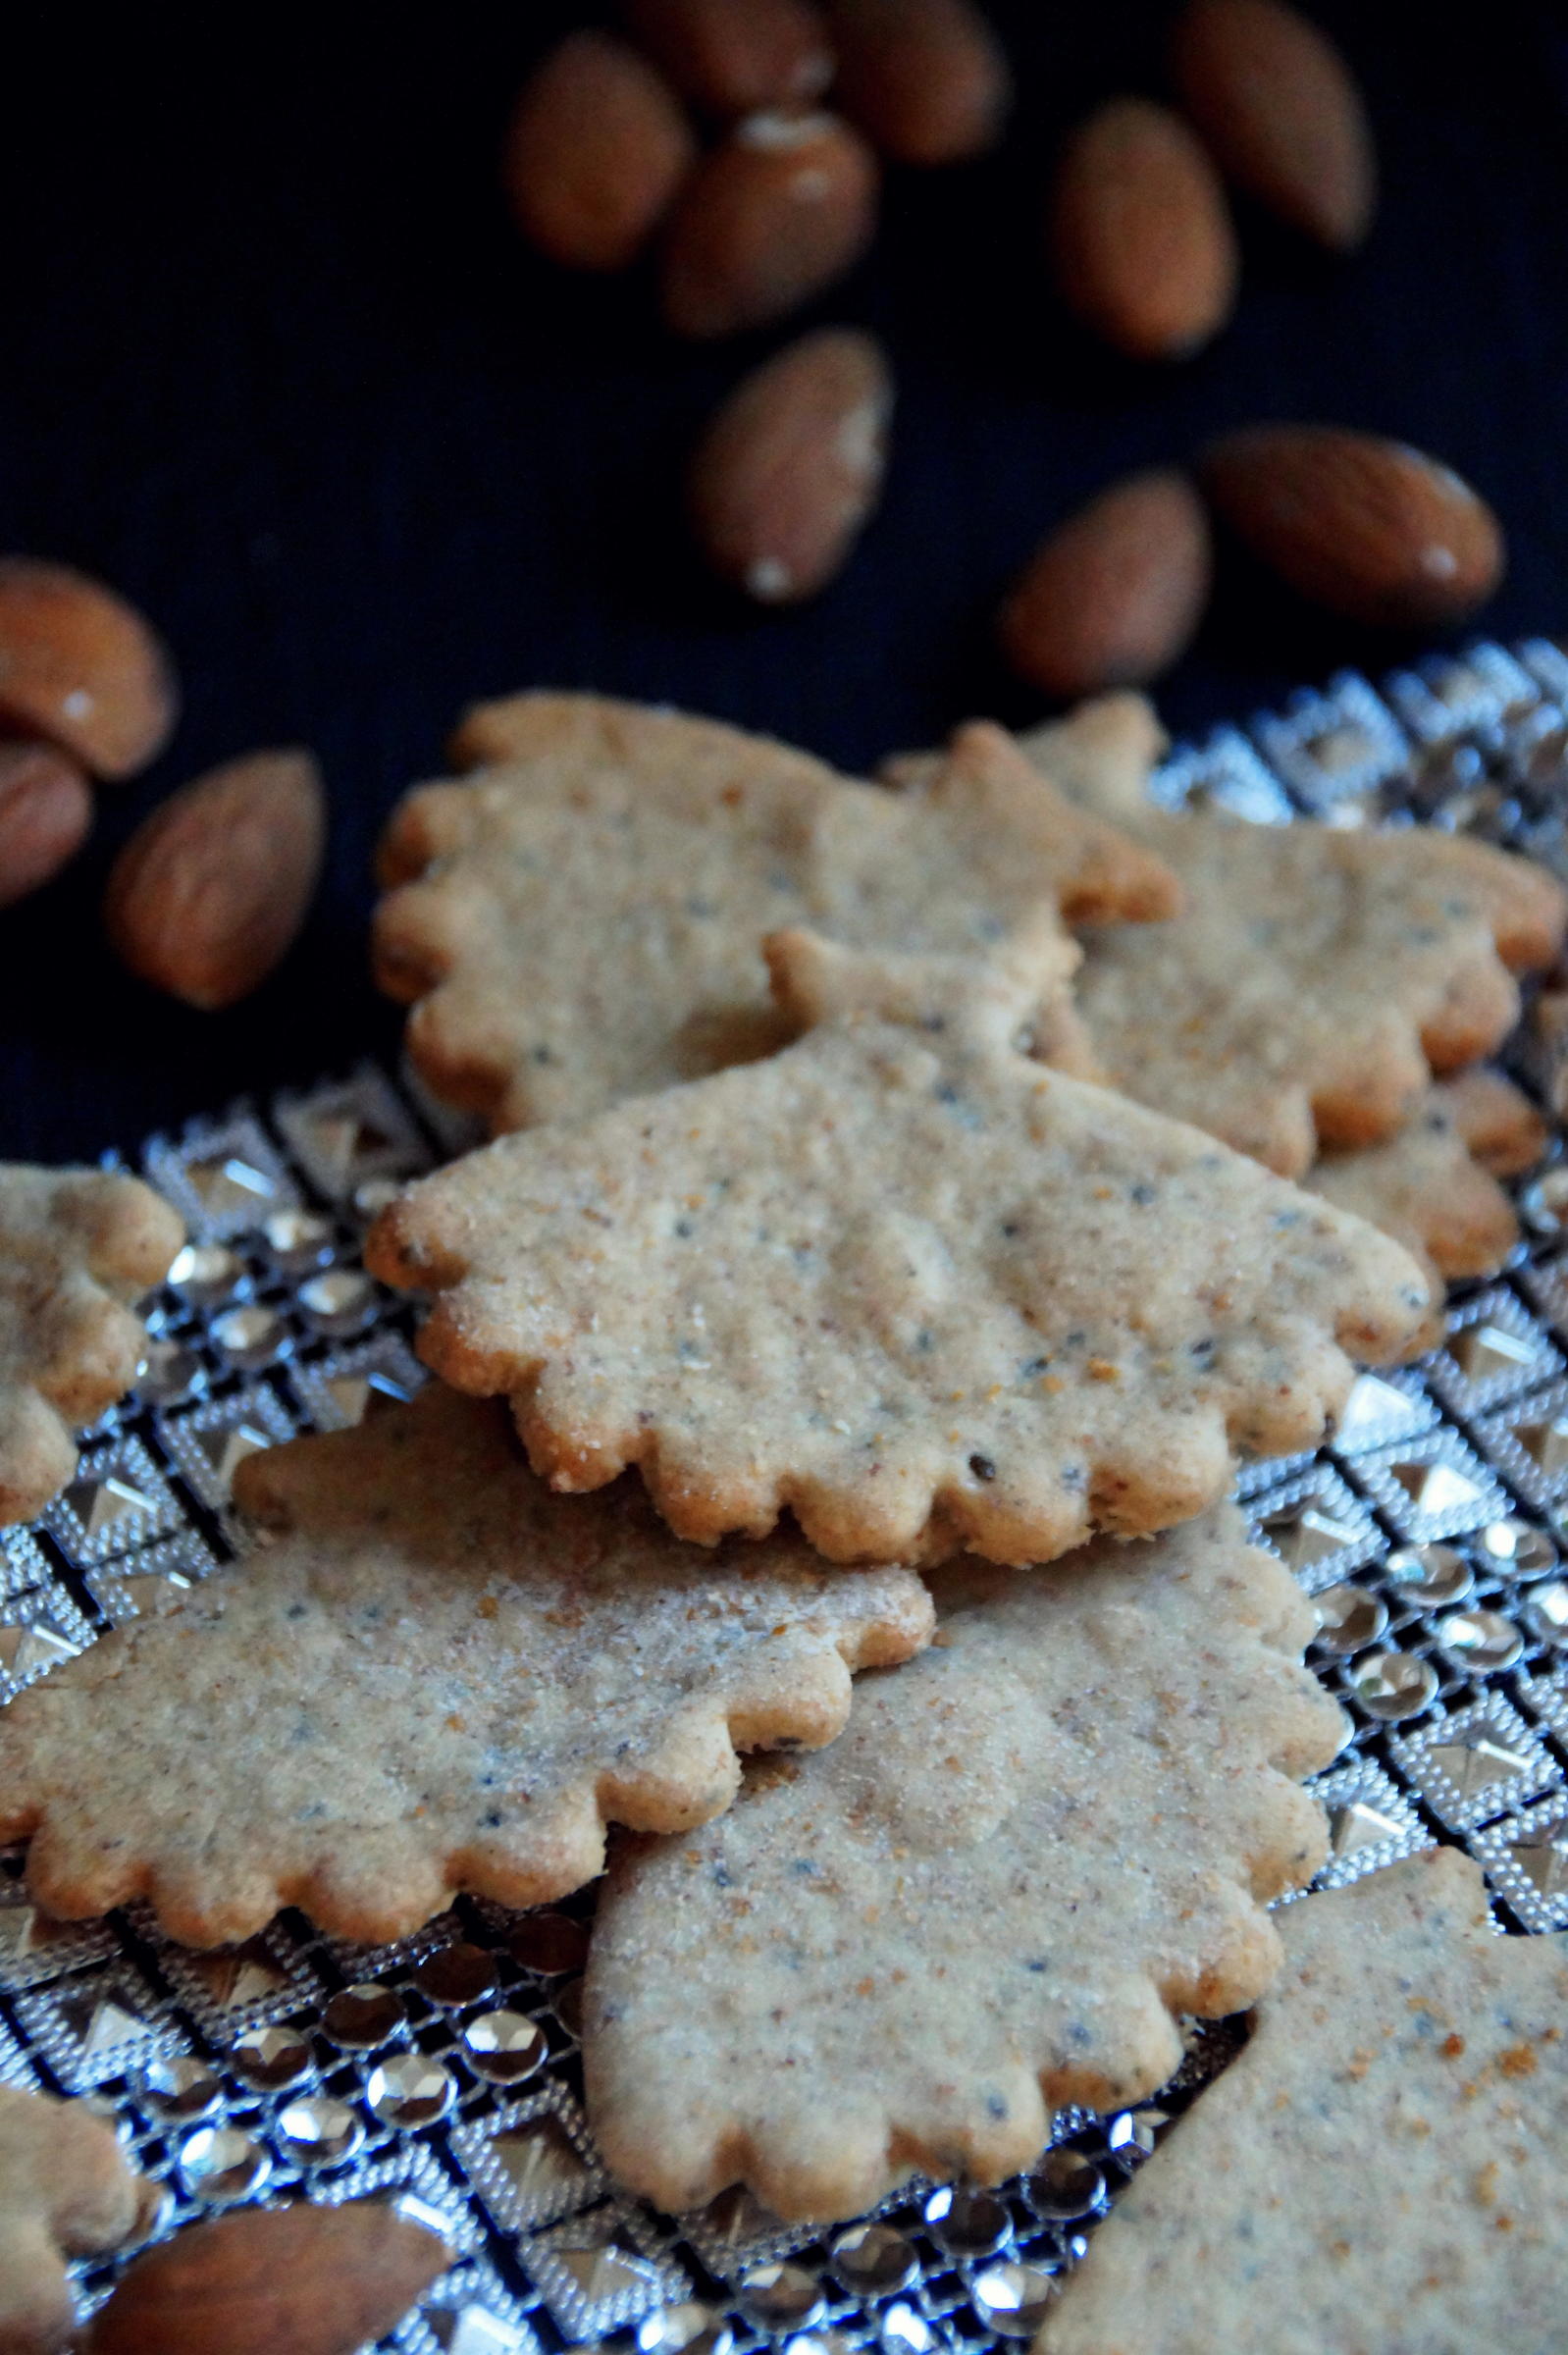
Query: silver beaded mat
point(443, 2071)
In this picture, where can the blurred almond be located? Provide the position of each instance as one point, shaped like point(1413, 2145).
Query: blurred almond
point(213, 886)
point(783, 207)
point(45, 816)
point(295, 2281)
point(597, 147)
point(1112, 597)
point(927, 80)
point(80, 666)
point(734, 57)
point(1141, 234)
point(1277, 104)
point(1370, 528)
point(792, 465)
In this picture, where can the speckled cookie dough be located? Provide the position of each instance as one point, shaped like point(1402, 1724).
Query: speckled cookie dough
point(901, 1280)
point(436, 1677)
point(584, 921)
point(1380, 2171)
point(66, 2190)
point(1031, 1850)
point(78, 1247)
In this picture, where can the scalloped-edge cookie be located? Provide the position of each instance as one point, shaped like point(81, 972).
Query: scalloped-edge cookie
point(900, 1279)
point(585, 920)
point(78, 1248)
point(1029, 1854)
point(436, 1677)
point(66, 2190)
point(1381, 2168)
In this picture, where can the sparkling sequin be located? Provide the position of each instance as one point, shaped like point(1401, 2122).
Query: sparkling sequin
point(1485, 1638)
point(178, 2085)
point(1349, 1618)
point(412, 2091)
point(780, 2297)
point(219, 2165)
point(967, 2223)
point(1066, 2185)
point(874, 2259)
point(1430, 1574)
point(689, 2329)
point(505, 2047)
point(456, 1975)
point(363, 2016)
point(1545, 1613)
point(318, 2131)
point(1013, 2298)
point(1393, 1685)
point(271, 2057)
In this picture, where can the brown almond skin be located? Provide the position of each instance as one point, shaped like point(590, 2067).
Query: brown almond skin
point(927, 80)
point(792, 465)
point(597, 147)
point(83, 667)
point(1142, 240)
point(1372, 529)
point(45, 816)
point(211, 889)
point(314, 2281)
point(782, 208)
point(733, 57)
point(1282, 114)
point(1113, 597)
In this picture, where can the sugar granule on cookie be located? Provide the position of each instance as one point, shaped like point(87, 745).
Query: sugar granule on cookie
point(78, 1248)
point(66, 2190)
point(901, 1280)
point(436, 1677)
point(1317, 976)
point(584, 922)
point(1381, 2168)
point(1030, 1851)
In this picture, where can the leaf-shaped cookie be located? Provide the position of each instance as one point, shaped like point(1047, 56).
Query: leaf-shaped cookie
point(66, 2190)
point(1028, 1852)
point(901, 1279)
point(76, 1248)
point(584, 922)
point(437, 1677)
point(1317, 976)
point(1381, 2169)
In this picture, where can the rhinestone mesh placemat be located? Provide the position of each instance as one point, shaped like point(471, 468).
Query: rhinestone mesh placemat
point(442, 2070)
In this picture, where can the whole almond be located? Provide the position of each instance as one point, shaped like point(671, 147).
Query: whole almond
point(783, 207)
point(597, 147)
point(1112, 597)
point(927, 80)
point(792, 465)
point(314, 2281)
point(734, 57)
point(1142, 238)
point(1370, 528)
point(211, 889)
point(45, 816)
point(1276, 103)
point(80, 666)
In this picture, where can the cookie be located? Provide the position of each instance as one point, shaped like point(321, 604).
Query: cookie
point(584, 922)
point(78, 1247)
point(66, 2190)
point(1317, 977)
point(900, 1279)
point(1031, 1849)
point(1381, 2167)
point(436, 1677)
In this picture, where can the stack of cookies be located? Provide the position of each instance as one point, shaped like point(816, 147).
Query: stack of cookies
point(901, 1196)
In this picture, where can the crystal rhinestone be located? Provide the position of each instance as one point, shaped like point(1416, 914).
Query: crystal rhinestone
point(1542, 1857)
point(363, 2016)
point(1392, 1685)
point(1349, 1618)
point(690, 2329)
point(542, 2164)
point(339, 1301)
point(205, 1271)
point(28, 1650)
point(1066, 2185)
point(1436, 1487)
point(318, 2131)
point(1134, 2130)
point(238, 1975)
point(1356, 1824)
point(505, 2047)
point(218, 2164)
point(1430, 1574)
point(249, 1335)
point(779, 2297)
point(834, 2342)
point(271, 2058)
point(550, 1943)
point(298, 1238)
point(874, 2260)
point(178, 2085)
point(1546, 1613)
point(1305, 1535)
point(472, 2331)
point(1013, 2298)
point(456, 1975)
point(167, 1371)
point(568, 2006)
point(225, 1445)
point(229, 1187)
point(1545, 1203)
point(966, 2223)
point(1369, 1411)
point(1485, 1350)
point(105, 1500)
point(607, 2270)
point(1478, 1762)
point(903, 2330)
point(1529, 1553)
point(1486, 1639)
point(412, 2091)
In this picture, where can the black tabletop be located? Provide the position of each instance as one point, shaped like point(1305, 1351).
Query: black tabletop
point(275, 362)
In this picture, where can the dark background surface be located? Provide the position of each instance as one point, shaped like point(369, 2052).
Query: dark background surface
point(276, 364)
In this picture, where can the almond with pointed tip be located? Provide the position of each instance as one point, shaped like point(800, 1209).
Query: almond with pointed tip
point(1281, 113)
point(927, 80)
point(1370, 528)
point(81, 666)
point(1144, 247)
point(45, 816)
point(781, 209)
point(1113, 597)
point(734, 56)
point(597, 147)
